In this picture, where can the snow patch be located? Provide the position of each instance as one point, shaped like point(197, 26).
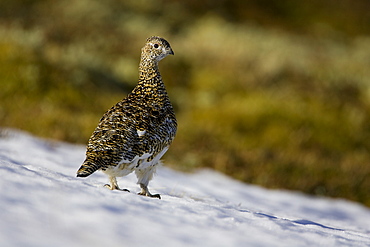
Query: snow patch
point(42, 203)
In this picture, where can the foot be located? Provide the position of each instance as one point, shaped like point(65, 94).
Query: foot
point(145, 192)
point(150, 195)
point(115, 187)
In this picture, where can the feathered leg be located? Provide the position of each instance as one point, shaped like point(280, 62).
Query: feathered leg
point(143, 177)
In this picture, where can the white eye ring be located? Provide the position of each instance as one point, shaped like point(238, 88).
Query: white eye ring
point(155, 45)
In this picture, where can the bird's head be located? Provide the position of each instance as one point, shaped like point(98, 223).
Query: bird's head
point(156, 48)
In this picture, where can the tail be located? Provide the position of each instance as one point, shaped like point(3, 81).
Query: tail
point(87, 168)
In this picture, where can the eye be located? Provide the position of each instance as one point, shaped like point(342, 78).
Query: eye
point(156, 45)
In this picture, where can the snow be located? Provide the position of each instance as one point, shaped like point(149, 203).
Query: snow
point(43, 203)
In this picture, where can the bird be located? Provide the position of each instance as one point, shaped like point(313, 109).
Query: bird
point(134, 134)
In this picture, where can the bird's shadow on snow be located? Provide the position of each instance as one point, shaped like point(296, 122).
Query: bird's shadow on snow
point(299, 222)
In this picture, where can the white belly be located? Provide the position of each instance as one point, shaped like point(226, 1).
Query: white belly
point(142, 164)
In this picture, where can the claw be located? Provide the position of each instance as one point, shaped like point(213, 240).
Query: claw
point(156, 195)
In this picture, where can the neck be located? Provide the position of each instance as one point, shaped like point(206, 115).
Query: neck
point(150, 82)
point(149, 73)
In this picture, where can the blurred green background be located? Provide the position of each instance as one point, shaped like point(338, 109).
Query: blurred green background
point(274, 93)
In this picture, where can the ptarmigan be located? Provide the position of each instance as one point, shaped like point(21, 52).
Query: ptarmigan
point(135, 133)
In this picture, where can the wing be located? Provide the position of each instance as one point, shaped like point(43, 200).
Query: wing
point(117, 137)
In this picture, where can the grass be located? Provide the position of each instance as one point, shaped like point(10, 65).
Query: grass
point(265, 106)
